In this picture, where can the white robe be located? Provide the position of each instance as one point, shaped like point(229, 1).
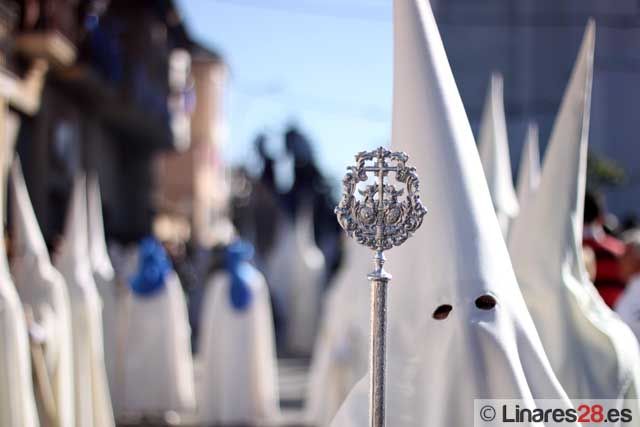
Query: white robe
point(593, 353)
point(493, 146)
point(44, 291)
point(110, 291)
point(341, 351)
point(437, 367)
point(239, 366)
point(628, 305)
point(92, 400)
point(158, 367)
point(295, 271)
point(17, 402)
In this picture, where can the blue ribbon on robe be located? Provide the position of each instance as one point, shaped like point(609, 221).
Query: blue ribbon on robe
point(153, 268)
point(241, 273)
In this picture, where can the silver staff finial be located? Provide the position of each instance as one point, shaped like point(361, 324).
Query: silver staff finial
point(380, 221)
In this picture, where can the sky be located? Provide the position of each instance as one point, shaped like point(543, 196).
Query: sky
point(325, 65)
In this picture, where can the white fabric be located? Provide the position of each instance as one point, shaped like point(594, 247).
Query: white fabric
point(109, 290)
point(44, 291)
point(529, 172)
point(17, 402)
point(628, 305)
point(341, 349)
point(438, 367)
point(593, 353)
point(239, 366)
point(493, 146)
point(92, 400)
point(158, 367)
point(295, 270)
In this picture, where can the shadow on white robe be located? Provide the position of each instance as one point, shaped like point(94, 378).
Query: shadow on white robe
point(158, 366)
point(43, 290)
point(483, 343)
point(593, 353)
point(92, 399)
point(239, 381)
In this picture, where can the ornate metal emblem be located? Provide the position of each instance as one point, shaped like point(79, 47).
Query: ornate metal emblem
point(384, 216)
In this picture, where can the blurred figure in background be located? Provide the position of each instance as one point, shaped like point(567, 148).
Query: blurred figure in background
point(158, 371)
point(628, 305)
point(44, 293)
point(607, 250)
point(92, 399)
point(239, 377)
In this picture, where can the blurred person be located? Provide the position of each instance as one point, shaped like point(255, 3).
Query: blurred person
point(158, 365)
point(92, 400)
point(607, 249)
point(43, 290)
point(296, 275)
point(592, 352)
point(628, 305)
point(459, 328)
point(239, 383)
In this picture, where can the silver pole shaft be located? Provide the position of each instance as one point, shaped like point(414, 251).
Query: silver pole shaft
point(378, 353)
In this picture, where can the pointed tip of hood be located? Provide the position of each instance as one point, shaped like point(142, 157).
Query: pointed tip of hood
point(26, 235)
point(460, 235)
point(529, 168)
point(550, 229)
point(97, 243)
point(75, 242)
point(493, 146)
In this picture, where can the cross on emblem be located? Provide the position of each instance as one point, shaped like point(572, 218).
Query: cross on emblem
point(381, 219)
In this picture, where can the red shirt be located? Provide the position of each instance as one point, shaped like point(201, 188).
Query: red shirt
point(608, 251)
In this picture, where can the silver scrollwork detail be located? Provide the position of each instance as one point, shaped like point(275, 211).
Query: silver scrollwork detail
point(384, 216)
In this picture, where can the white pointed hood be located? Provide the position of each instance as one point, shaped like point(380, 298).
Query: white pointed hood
point(42, 288)
point(494, 153)
point(438, 367)
point(593, 353)
point(98, 252)
point(26, 238)
point(529, 172)
point(92, 400)
point(73, 252)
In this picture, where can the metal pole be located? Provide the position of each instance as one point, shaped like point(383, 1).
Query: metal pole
point(380, 221)
point(378, 355)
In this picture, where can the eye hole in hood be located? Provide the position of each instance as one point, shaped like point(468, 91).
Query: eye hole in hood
point(486, 302)
point(442, 312)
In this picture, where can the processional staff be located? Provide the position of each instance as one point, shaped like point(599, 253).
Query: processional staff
point(380, 219)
